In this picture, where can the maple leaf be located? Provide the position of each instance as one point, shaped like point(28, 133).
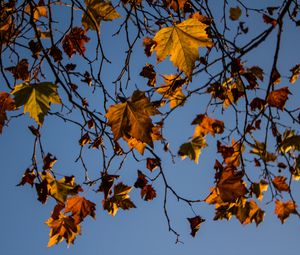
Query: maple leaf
point(260, 149)
point(230, 185)
point(28, 177)
point(20, 71)
point(192, 149)
point(181, 42)
point(75, 41)
point(152, 163)
point(290, 141)
point(195, 223)
point(107, 183)
point(258, 188)
point(36, 99)
point(172, 90)
point(49, 161)
point(207, 125)
point(141, 181)
point(60, 189)
point(284, 209)
point(277, 98)
point(148, 193)
point(131, 119)
point(6, 104)
point(231, 154)
point(120, 199)
point(80, 208)
point(248, 212)
point(295, 73)
point(97, 11)
point(280, 184)
point(62, 228)
point(149, 72)
point(235, 13)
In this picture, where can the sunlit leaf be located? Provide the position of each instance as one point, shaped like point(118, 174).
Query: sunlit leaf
point(192, 149)
point(284, 209)
point(36, 99)
point(181, 42)
point(195, 224)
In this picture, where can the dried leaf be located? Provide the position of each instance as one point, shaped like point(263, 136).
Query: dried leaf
point(207, 125)
point(80, 208)
point(192, 149)
point(284, 209)
point(75, 41)
point(277, 98)
point(6, 104)
point(235, 13)
point(280, 184)
point(148, 193)
point(195, 224)
point(295, 73)
point(28, 177)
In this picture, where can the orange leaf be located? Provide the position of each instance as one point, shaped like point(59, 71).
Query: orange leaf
point(277, 98)
point(280, 184)
point(148, 193)
point(6, 104)
point(152, 163)
point(283, 210)
point(80, 208)
point(207, 125)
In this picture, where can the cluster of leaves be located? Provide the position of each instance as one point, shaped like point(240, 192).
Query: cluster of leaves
point(262, 113)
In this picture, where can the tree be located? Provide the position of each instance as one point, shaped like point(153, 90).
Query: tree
point(248, 114)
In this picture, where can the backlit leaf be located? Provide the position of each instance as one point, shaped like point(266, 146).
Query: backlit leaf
point(181, 42)
point(195, 224)
point(280, 184)
point(62, 228)
point(80, 208)
point(235, 13)
point(36, 98)
point(295, 74)
point(258, 188)
point(6, 104)
point(207, 125)
point(192, 149)
point(97, 11)
point(132, 118)
point(284, 209)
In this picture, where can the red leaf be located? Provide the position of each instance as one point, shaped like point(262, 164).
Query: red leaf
point(75, 41)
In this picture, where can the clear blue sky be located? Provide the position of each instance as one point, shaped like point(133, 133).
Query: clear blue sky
point(142, 230)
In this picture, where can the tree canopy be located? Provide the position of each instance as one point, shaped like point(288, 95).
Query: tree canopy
point(124, 73)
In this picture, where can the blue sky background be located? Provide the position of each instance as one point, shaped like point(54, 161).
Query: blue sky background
point(142, 230)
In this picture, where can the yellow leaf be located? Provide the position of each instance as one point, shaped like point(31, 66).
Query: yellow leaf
point(235, 13)
point(60, 189)
point(192, 149)
point(207, 125)
point(172, 90)
point(182, 42)
point(120, 199)
point(36, 98)
point(62, 228)
point(97, 11)
point(132, 118)
point(260, 150)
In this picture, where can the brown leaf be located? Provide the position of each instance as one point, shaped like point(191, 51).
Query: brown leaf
point(195, 223)
point(231, 185)
point(275, 76)
point(283, 210)
point(235, 13)
point(149, 44)
point(97, 142)
point(148, 193)
point(207, 125)
point(80, 208)
point(49, 161)
point(107, 183)
point(295, 73)
point(62, 228)
point(85, 139)
point(148, 72)
point(20, 71)
point(152, 163)
point(257, 103)
point(6, 104)
point(75, 41)
point(141, 181)
point(56, 53)
point(28, 177)
point(280, 184)
point(268, 20)
point(277, 98)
